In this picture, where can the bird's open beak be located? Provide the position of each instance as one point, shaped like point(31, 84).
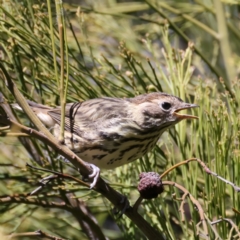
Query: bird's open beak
point(185, 116)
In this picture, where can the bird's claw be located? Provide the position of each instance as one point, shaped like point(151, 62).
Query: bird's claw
point(95, 175)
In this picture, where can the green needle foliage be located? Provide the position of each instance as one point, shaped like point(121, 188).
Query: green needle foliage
point(62, 52)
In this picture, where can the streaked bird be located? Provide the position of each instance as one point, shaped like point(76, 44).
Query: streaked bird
point(110, 132)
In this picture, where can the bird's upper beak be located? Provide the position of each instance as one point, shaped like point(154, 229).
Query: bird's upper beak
point(185, 116)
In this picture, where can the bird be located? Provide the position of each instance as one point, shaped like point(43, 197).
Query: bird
point(109, 132)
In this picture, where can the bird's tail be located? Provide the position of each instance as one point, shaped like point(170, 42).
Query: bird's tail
point(40, 110)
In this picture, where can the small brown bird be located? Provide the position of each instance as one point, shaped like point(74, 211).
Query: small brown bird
point(109, 132)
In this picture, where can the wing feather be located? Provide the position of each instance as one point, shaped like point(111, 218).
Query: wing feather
point(91, 115)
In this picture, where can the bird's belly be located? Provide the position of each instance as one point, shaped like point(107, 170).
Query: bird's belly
point(109, 155)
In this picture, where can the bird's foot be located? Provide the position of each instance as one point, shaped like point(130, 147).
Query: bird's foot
point(94, 175)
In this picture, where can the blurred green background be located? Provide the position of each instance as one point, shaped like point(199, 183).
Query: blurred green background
point(124, 48)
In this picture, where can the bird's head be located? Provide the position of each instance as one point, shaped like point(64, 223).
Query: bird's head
point(160, 110)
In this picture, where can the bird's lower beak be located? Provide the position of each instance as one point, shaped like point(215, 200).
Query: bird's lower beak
point(185, 116)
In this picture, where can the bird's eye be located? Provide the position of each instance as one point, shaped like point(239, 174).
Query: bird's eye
point(166, 105)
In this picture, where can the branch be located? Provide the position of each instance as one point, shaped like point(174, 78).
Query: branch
point(205, 168)
point(194, 202)
point(26, 142)
point(234, 226)
point(85, 218)
point(38, 233)
point(35, 201)
point(76, 207)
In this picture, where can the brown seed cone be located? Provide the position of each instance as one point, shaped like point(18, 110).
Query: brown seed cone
point(150, 185)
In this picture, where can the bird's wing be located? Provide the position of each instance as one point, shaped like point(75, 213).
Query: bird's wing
point(91, 115)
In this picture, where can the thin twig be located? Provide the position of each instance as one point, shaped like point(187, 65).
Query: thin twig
point(26, 142)
point(205, 168)
point(62, 175)
point(43, 183)
point(194, 202)
point(33, 201)
point(38, 233)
